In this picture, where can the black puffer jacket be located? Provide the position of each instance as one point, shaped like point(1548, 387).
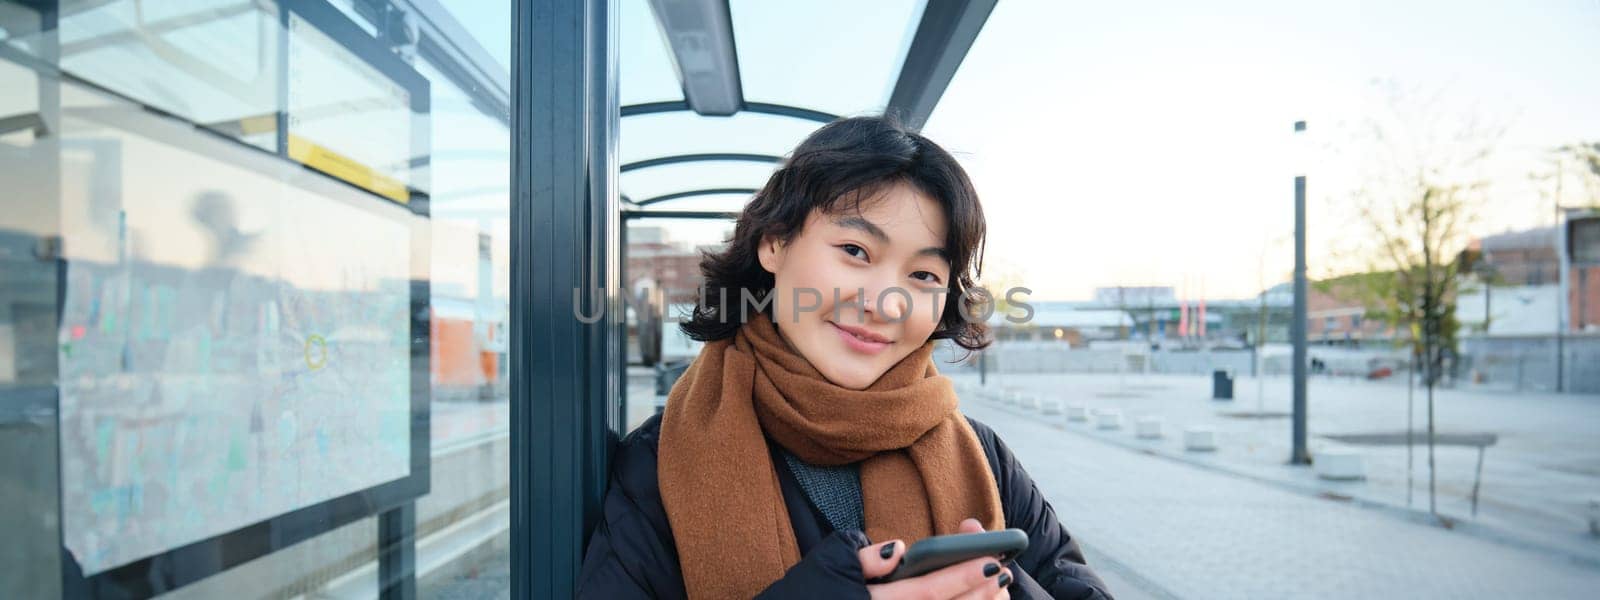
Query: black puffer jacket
point(631, 553)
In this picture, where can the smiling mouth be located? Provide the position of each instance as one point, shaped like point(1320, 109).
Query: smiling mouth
point(859, 342)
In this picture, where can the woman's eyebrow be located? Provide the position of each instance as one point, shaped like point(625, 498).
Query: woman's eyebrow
point(867, 227)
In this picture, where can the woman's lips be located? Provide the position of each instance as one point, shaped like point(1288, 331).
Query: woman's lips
point(858, 344)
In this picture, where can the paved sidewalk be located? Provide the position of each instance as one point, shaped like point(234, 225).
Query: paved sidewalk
point(1535, 482)
point(1183, 531)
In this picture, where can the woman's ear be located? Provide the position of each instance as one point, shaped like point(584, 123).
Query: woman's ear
point(770, 252)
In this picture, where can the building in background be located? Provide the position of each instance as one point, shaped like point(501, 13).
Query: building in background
point(1523, 276)
point(1336, 315)
point(656, 260)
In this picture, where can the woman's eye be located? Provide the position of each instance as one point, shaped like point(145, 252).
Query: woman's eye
point(849, 248)
point(926, 276)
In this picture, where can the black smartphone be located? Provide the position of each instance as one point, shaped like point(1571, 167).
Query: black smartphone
point(940, 551)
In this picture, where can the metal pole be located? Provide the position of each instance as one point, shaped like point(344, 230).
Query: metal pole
point(397, 553)
point(1258, 369)
point(1476, 481)
point(1432, 479)
point(1583, 299)
point(1299, 455)
point(1411, 386)
point(1430, 342)
point(1561, 295)
point(566, 375)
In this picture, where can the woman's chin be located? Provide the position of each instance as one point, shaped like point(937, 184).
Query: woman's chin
point(854, 376)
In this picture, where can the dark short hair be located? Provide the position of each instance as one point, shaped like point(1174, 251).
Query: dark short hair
point(847, 160)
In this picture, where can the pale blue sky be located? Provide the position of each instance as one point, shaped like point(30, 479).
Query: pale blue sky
point(1145, 142)
point(1142, 142)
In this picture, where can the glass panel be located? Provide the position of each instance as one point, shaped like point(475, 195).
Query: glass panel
point(255, 283)
point(722, 202)
point(28, 325)
point(359, 130)
point(671, 134)
point(662, 274)
point(215, 64)
point(643, 184)
point(181, 290)
point(488, 26)
point(646, 70)
point(852, 51)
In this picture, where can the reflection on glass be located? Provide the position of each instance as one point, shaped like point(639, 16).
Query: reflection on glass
point(212, 63)
point(245, 362)
point(661, 275)
point(224, 357)
point(28, 484)
point(346, 117)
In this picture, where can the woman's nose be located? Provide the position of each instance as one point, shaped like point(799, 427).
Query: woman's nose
point(885, 303)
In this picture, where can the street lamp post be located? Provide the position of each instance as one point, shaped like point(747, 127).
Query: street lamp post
point(1299, 455)
point(1561, 295)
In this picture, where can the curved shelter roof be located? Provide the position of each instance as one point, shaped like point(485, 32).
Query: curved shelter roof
point(715, 92)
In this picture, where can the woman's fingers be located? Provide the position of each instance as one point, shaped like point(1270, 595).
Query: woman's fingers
point(950, 582)
point(880, 559)
point(970, 526)
point(986, 592)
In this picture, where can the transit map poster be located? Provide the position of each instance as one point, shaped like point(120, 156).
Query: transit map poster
point(225, 358)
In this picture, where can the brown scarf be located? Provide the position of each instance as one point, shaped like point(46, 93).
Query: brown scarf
point(922, 471)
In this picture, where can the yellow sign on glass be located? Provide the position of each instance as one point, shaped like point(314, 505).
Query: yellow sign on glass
point(338, 165)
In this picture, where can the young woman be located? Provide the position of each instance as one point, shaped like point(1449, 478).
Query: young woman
point(813, 440)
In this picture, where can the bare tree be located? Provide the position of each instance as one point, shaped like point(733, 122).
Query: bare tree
point(1580, 161)
point(1422, 184)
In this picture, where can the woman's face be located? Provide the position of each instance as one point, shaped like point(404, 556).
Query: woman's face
point(857, 291)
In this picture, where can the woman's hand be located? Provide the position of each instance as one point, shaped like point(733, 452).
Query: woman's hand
point(979, 578)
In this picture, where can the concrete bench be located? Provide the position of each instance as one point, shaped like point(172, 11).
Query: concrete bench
point(1108, 419)
point(1340, 464)
point(1077, 414)
point(1050, 406)
point(1200, 439)
point(1028, 401)
point(1148, 428)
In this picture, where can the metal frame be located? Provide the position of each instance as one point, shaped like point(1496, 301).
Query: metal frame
point(693, 194)
point(704, 54)
point(338, 26)
point(634, 215)
point(564, 213)
point(397, 553)
point(566, 236)
point(944, 36)
point(765, 108)
point(709, 157)
point(460, 57)
point(183, 565)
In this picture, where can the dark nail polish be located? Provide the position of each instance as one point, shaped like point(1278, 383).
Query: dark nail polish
point(888, 550)
point(990, 569)
point(1005, 580)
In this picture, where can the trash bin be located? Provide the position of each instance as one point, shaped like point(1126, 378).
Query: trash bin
point(667, 374)
point(1221, 385)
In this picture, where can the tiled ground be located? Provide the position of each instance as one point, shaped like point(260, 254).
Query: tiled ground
point(1197, 533)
